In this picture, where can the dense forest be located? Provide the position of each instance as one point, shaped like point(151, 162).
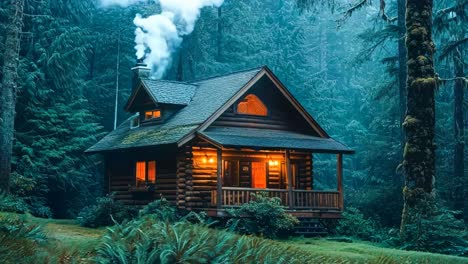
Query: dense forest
point(387, 78)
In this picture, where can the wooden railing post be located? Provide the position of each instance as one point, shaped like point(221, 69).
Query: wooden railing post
point(339, 175)
point(219, 182)
point(289, 174)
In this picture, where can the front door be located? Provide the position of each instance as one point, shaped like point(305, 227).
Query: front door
point(259, 175)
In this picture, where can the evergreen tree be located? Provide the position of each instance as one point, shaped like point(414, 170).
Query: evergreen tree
point(8, 90)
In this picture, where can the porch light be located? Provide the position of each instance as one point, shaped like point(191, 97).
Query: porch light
point(273, 162)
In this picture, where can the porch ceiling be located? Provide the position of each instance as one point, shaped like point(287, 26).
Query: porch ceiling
point(271, 139)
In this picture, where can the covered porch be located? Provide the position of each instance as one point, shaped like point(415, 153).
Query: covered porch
point(274, 164)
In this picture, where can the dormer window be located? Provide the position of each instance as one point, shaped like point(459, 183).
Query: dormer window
point(252, 105)
point(153, 115)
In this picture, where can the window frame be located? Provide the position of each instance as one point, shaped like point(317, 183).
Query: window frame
point(146, 182)
point(152, 118)
point(236, 106)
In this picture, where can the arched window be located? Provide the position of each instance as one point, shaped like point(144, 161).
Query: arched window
point(251, 105)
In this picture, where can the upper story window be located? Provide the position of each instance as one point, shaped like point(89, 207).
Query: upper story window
point(152, 115)
point(145, 172)
point(252, 105)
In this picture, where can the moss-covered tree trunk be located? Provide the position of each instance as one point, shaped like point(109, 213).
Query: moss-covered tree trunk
point(8, 90)
point(419, 125)
point(402, 66)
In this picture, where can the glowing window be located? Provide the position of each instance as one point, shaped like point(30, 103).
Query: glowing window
point(252, 105)
point(155, 114)
point(140, 173)
point(145, 172)
point(152, 171)
point(259, 175)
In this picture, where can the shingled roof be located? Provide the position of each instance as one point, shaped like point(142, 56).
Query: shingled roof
point(203, 101)
point(208, 96)
point(168, 92)
point(271, 139)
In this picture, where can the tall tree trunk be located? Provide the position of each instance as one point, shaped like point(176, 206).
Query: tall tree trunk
point(419, 125)
point(459, 130)
point(402, 70)
point(8, 90)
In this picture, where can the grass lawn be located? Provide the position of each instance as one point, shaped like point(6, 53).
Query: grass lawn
point(70, 243)
point(367, 252)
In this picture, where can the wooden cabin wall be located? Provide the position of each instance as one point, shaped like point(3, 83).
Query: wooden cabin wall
point(281, 114)
point(184, 176)
point(304, 165)
point(121, 176)
point(197, 176)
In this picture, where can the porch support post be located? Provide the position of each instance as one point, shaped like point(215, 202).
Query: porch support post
point(289, 174)
point(219, 181)
point(339, 175)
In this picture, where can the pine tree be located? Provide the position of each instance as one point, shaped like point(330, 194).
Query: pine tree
point(8, 90)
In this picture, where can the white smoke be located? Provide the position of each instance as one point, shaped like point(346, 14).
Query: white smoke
point(159, 35)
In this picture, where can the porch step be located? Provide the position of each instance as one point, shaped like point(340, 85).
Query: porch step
point(309, 227)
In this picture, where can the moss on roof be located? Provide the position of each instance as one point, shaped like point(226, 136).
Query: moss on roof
point(207, 97)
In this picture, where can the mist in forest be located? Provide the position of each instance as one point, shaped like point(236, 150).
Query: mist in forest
point(385, 79)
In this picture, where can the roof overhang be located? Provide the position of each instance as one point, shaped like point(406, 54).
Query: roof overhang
point(258, 139)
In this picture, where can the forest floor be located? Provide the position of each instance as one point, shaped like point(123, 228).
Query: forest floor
point(66, 240)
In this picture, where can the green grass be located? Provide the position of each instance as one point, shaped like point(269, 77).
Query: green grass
point(70, 243)
point(67, 242)
point(366, 252)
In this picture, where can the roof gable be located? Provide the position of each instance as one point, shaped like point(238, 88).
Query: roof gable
point(263, 72)
point(162, 92)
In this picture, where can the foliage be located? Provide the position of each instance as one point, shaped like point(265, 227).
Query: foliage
point(18, 238)
point(160, 209)
point(262, 215)
point(442, 233)
point(11, 203)
point(149, 240)
point(105, 212)
point(355, 224)
point(70, 243)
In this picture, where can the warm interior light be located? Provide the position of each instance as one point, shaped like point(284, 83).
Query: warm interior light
point(211, 160)
point(252, 105)
point(205, 158)
point(155, 114)
point(273, 162)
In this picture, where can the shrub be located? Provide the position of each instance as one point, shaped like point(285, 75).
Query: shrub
point(105, 212)
point(441, 233)
point(262, 215)
point(13, 204)
point(161, 209)
point(148, 240)
point(18, 238)
point(354, 224)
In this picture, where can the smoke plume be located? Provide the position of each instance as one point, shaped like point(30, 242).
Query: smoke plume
point(159, 35)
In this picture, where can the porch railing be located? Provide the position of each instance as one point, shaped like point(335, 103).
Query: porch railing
point(302, 199)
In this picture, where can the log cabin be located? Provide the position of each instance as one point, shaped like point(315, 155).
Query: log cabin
point(209, 144)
